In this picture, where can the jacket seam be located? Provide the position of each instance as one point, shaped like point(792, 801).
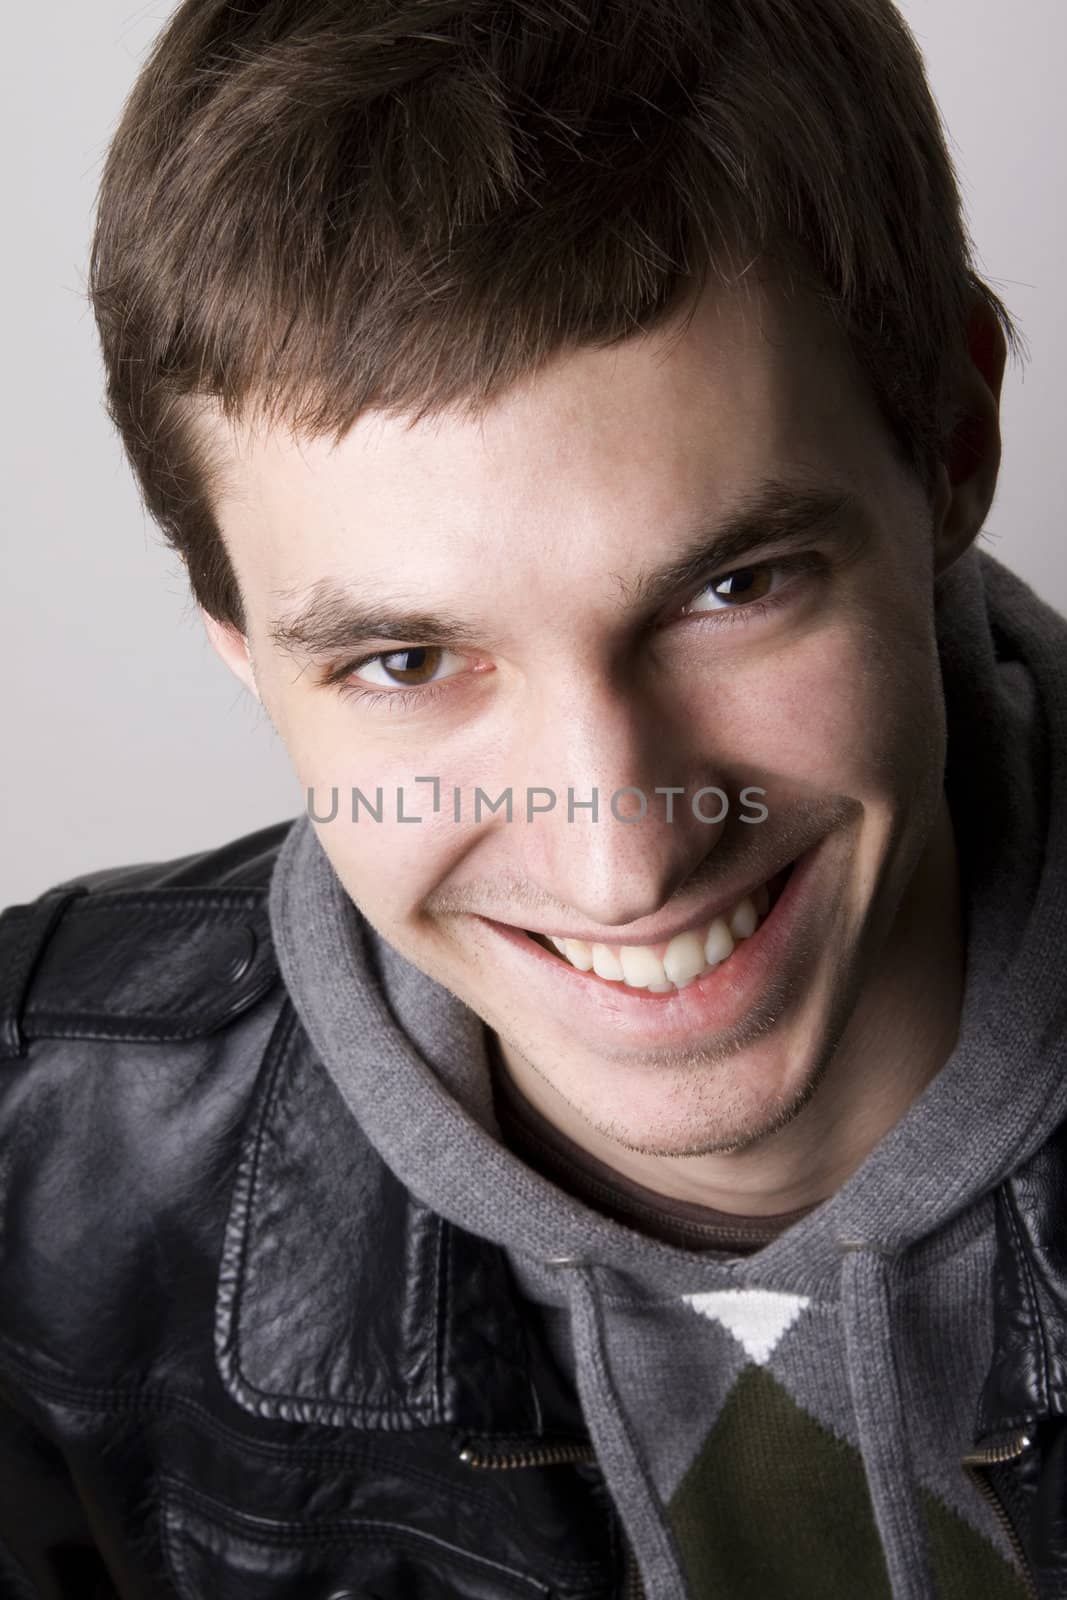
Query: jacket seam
point(102, 1400)
point(289, 1534)
point(131, 1026)
point(173, 1556)
point(37, 924)
point(442, 1308)
point(173, 899)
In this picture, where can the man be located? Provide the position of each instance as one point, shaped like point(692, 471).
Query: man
point(610, 1144)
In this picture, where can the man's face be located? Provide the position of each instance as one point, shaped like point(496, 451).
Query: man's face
point(582, 642)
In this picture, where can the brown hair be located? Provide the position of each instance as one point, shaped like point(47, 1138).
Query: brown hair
point(315, 207)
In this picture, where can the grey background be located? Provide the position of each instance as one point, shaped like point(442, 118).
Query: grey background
point(124, 738)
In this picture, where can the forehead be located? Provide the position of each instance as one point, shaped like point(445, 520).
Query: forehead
point(582, 463)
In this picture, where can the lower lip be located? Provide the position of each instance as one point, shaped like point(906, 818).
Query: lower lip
point(719, 1000)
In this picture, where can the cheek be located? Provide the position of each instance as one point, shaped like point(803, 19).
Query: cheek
point(846, 708)
point(387, 867)
point(349, 787)
point(329, 749)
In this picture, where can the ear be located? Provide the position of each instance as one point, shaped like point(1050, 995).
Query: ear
point(231, 647)
point(967, 474)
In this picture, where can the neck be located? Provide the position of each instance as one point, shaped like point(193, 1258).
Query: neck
point(901, 1031)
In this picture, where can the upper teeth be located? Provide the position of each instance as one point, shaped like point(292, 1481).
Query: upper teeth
point(676, 963)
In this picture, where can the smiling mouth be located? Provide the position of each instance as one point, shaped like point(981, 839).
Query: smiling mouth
point(673, 965)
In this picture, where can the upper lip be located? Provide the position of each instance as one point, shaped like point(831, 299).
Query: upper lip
point(659, 933)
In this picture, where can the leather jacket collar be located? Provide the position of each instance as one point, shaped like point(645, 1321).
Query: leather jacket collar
point(343, 1300)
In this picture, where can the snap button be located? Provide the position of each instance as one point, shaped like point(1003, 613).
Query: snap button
point(237, 966)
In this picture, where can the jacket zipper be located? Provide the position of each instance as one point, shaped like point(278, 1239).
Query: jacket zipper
point(551, 1455)
point(1008, 1447)
point(526, 1455)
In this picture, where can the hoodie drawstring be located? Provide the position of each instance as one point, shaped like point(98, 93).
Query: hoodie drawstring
point(874, 1383)
point(623, 1465)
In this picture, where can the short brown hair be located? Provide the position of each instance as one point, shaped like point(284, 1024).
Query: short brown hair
point(318, 207)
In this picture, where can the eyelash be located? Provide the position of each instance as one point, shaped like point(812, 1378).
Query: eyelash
point(730, 616)
point(405, 699)
point(397, 699)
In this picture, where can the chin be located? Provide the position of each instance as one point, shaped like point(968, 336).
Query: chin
point(710, 1103)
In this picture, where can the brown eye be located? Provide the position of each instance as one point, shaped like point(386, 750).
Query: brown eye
point(416, 666)
point(737, 589)
point(747, 583)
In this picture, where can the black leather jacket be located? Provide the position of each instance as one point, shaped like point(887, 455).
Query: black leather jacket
point(239, 1360)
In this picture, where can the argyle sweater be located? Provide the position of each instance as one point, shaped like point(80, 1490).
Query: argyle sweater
point(761, 1470)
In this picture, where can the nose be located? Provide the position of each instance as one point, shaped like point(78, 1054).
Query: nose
point(623, 860)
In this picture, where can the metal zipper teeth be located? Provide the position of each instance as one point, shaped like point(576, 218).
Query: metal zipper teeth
point(1005, 1447)
point(999, 1451)
point(551, 1455)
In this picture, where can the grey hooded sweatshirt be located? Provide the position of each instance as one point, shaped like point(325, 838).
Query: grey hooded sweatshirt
point(787, 1424)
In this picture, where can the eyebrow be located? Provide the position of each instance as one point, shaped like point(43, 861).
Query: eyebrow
point(331, 617)
point(777, 515)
